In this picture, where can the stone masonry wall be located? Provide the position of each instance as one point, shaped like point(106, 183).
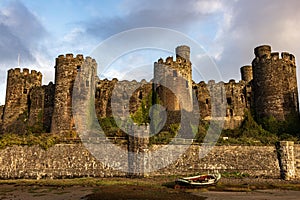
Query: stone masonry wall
point(73, 160)
point(297, 160)
point(253, 160)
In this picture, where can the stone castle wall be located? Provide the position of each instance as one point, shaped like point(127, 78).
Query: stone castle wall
point(73, 160)
point(274, 84)
point(289, 160)
point(268, 88)
point(173, 81)
point(66, 69)
point(41, 106)
point(19, 85)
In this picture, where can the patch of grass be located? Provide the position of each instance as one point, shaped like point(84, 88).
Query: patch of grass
point(79, 182)
point(45, 140)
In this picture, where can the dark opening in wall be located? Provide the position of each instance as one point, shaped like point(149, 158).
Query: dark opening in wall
point(98, 94)
point(87, 83)
point(78, 68)
point(25, 91)
point(231, 112)
point(229, 101)
point(207, 101)
point(186, 84)
point(141, 95)
point(249, 99)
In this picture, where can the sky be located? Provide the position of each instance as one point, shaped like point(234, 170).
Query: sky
point(228, 31)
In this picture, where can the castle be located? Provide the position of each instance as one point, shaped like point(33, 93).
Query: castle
point(268, 87)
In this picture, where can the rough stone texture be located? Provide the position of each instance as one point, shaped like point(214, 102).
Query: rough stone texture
point(297, 160)
point(73, 160)
point(60, 161)
point(41, 104)
point(253, 160)
point(19, 85)
point(66, 69)
point(271, 92)
point(275, 84)
point(247, 73)
point(287, 160)
point(235, 97)
point(173, 81)
point(138, 142)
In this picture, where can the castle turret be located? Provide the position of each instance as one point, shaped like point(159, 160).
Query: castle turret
point(274, 84)
point(19, 85)
point(183, 52)
point(246, 73)
point(173, 80)
point(66, 69)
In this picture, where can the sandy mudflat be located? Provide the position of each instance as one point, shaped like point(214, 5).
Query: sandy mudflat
point(257, 195)
point(13, 192)
point(148, 188)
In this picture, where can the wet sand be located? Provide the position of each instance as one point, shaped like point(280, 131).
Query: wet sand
point(13, 192)
point(253, 195)
point(148, 188)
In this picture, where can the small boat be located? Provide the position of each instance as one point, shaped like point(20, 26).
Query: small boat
point(198, 181)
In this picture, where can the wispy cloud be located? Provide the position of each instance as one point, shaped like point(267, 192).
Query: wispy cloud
point(174, 14)
point(20, 33)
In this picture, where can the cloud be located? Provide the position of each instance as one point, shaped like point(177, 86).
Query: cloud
point(253, 23)
point(174, 14)
point(20, 33)
point(228, 30)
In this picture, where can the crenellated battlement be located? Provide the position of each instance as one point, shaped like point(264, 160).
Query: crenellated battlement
point(263, 51)
point(213, 82)
point(24, 72)
point(274, 80)
point(89, 60)
point(170, 61)
point(271, 77)
point(70, 56)
point(263, 54)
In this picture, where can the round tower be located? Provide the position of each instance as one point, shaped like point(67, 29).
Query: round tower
point(19, 85)
point(263, 50)
point(66, 69)
point(173, 80)
point(246, 73)
point(183, 51)
point(274, 84)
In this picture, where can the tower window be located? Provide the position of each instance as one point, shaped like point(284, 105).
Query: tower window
point(229, 101)
point(231, 112)
point(186, 84)
point(206, 101)
point(141, 95)
point(97, 94)
point(78, 68)
point(25, 91)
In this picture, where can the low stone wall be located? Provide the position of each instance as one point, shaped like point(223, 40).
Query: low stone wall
point(59, 161)
point(73, 160)
point(297, 160)
point(252, 160)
